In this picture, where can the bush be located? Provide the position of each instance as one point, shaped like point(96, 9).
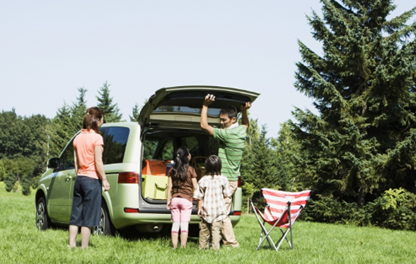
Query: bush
point(26, 183)
point(395, 209)
point(327, 210)
point(35, 181)
point(10, 180)
point(15, 186)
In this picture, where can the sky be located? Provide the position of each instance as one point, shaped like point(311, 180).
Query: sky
point(49, 49)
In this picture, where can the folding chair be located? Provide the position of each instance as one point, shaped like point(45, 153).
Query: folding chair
point(282, 210)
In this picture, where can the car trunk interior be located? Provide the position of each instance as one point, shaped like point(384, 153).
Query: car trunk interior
point(158, 151)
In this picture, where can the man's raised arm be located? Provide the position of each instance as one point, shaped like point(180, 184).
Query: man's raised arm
point(244, 117)
point(204, 114)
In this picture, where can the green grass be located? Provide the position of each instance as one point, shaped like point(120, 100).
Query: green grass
point(21, 242)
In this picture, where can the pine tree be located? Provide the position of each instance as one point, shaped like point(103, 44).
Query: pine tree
point(246, 169)
point(62, 130)
point(26, 182)
point(287, 157)
point(36, 141)
point(135, 113)
point(362, 141)
point(258, 163)
point(79, 108)
point(2, 170)
point(111, 111)
point(10, 180)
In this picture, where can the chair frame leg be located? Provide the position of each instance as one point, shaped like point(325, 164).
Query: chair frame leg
point(267, 235)
point(264, 231)
point(285, 233)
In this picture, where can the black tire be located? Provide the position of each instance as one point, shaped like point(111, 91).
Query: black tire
point(105, 228)
point(43, 221)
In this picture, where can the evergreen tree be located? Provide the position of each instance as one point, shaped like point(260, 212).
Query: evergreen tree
point(258, 164)
point(2, 171)
point(136, 111)
point(111, 111)
point(13, 134)
point(26, 182)
point(10, 180)
point(36, 141)
point(362, 141)
point(135, 114)
point(287, 157)
point(246, 169)
point(79, 108)
point(62, 130)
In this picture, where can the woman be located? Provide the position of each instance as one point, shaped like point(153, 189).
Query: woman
point(86, 205)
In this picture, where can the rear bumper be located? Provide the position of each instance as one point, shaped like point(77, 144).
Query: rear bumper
point(156, 213)
point(132, 219)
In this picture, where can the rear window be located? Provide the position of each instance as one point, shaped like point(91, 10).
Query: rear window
point(186, 109)
point(149, 148)
point(115, 141)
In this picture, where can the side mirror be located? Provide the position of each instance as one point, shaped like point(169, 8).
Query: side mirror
point(53, 163)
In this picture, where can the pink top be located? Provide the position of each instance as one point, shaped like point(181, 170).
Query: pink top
point(84, 145)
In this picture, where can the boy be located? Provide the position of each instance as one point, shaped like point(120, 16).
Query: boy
point(210, 193)
point(231, 146)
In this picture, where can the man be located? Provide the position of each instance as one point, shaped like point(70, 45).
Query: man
point(231, 146)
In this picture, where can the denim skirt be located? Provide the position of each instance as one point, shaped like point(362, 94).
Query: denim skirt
point(86, 205)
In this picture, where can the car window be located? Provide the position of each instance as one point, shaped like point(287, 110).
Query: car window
point(67, 158)
point(167, 151)
point(184, 109)
point(115, 141)
point(149, 148)
point(193, 145)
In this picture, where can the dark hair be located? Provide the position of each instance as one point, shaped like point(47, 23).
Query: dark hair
point(213, 165)
point(91, 118)
point(180, 167)
point(230, 110)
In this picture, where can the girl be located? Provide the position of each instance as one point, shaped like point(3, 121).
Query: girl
point(86, 205)
point(181, 183)
point(210, 192)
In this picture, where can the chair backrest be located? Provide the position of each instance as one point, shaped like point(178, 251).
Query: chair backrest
point(277, 202)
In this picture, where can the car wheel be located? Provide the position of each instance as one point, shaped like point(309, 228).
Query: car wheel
point(105, 227)
point(43, 221)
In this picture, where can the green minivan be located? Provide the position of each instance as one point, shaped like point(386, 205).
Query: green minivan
point(137, 157)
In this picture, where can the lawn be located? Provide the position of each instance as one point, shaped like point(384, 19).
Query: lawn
point(21, 242)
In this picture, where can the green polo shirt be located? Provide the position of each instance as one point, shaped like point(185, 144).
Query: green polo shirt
point(231, 149)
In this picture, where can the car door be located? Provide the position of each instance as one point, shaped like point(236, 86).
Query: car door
point(61, 187)
point(180, 106)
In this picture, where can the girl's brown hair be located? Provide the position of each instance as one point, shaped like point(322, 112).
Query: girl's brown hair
point(91, 118)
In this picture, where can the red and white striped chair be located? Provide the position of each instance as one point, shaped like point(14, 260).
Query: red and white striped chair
point(282, 210)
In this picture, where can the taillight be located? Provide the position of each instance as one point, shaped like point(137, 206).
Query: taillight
point(239, 181)
point(131, 210)
point(128, 177)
